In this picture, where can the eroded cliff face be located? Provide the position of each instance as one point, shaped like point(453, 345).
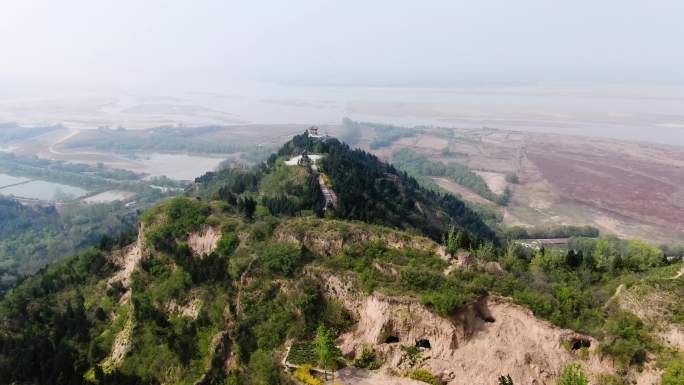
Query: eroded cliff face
point(487, 338)
point(204, 242)
point(329, 237)
point(127, 260)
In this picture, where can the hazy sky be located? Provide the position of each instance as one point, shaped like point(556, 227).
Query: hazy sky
point(209, 43)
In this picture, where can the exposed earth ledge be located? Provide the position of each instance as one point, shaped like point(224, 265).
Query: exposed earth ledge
point(489, 337)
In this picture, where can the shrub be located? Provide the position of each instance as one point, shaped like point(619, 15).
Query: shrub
point(265, 369)
point(674, 373)
point(367, 279)
point(627, 339)
point(282, 258)
point(445, 302)
point(425, 376)
point(303, 374)
point(368, 359)
point(412, 353)
point(419, 280)
point(573, 374)
point(227, 244)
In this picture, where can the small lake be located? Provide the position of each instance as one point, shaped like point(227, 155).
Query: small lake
point(178, 166)
point(39, 189)
point(6, 180)
point(109, 196)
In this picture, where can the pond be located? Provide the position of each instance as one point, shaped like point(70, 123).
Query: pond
point(178, 166)
point(39, 189)
point(109, 196)
point(6, 180)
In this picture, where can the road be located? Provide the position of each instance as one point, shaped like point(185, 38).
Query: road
point(72, 132)
point(16, 184)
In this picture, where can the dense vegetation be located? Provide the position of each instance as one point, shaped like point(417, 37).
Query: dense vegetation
point(254, 296)
point(367, 189)
point(69, 297)
point(93, 178)
point(418, 165)
point(32, 237)
point(226, 317)
point(565, 231)
point(158, 139)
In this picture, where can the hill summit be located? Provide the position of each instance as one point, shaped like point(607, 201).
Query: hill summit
point(366, 189)
point(257, 277)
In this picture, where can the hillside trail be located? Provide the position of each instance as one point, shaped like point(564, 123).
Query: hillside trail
point(622, 287)
point(614, 296)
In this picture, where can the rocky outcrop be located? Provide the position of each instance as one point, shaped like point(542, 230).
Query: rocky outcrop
point(122, 344)
point(127, 260)
point(190, 308)
point(204, 242)
point(487, 338)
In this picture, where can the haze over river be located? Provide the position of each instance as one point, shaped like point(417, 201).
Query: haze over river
point(641, 113)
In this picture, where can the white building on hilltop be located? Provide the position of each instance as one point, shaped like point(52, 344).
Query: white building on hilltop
point(313, 133)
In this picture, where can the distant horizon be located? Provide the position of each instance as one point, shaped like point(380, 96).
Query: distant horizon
point(307, 42)
point(642, 113)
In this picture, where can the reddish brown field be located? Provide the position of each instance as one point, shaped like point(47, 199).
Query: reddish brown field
point(632, 189)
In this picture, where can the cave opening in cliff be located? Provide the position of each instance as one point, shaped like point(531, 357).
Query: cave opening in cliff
point(579, 343)
point(391, 339)
point(423, 343)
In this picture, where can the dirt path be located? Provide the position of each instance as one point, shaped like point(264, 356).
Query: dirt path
point(457, 189)
point(614, 296)
point(353, 376)
point(681, 272)
point(72, 132)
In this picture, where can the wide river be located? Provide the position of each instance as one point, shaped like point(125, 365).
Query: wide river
point(642, 113)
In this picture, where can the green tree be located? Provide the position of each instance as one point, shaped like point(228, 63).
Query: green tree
point(247, 206)
point(641, 256)
point(326, 350)
point(573, 374)
point(505, 380)
point(455, 240)
point(264, 369)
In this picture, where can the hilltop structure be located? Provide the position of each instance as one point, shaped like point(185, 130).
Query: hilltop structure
point(313, 133)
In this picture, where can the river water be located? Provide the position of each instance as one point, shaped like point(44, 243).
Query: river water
point(642, 113)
